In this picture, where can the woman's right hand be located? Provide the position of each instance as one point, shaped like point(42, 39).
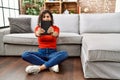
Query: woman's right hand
point(40, 31)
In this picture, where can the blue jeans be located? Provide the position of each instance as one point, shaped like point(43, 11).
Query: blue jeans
point(48, 57)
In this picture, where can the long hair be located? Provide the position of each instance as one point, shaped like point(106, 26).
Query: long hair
point(41, 15)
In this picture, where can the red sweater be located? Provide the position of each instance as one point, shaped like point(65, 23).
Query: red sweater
point(47, 41)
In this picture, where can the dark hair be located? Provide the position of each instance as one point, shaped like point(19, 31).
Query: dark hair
point(42, 14)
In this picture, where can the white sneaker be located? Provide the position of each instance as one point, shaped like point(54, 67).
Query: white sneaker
point(32, 69)
point(55, 68)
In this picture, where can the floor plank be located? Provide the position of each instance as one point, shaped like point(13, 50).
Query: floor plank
point(13, 68)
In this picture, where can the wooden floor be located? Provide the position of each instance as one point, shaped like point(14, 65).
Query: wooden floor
point(12, 68)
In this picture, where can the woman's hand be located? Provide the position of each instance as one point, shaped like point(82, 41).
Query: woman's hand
point(39, 31)
point(55, 34)
point(50, 30)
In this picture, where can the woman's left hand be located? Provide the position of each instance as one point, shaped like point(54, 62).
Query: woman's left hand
point(50, 30)
point(55, 34)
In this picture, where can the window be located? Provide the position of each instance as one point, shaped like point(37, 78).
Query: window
point(6, 15)
point(117, 6)
point(0, 3)
point(8, 8)
point(1, 19)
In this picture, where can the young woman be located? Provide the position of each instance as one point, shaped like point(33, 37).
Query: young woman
point(47, 56)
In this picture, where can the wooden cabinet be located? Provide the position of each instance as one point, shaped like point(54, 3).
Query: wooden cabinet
point(70, 6)
point(53, 6)
point(59, 7)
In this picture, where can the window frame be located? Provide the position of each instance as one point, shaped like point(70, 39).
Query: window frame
point(14, 9)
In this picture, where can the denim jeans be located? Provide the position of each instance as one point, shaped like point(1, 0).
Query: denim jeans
point(48, 57)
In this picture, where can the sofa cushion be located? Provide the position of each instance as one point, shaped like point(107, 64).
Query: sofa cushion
point(69, 38)
point(101, 47)
point(23, 38)
point(20, 25)
point(30, 39)
point(67, 22)
point(34, 20)
point(100, 23)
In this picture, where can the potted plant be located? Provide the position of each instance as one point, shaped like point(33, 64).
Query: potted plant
point(32, 7)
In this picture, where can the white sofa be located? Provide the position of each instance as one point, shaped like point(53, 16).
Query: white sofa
point(100, 54)
point(93, 37)
point(16, 43)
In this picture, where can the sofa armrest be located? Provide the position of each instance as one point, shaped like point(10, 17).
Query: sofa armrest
point(2, 33)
